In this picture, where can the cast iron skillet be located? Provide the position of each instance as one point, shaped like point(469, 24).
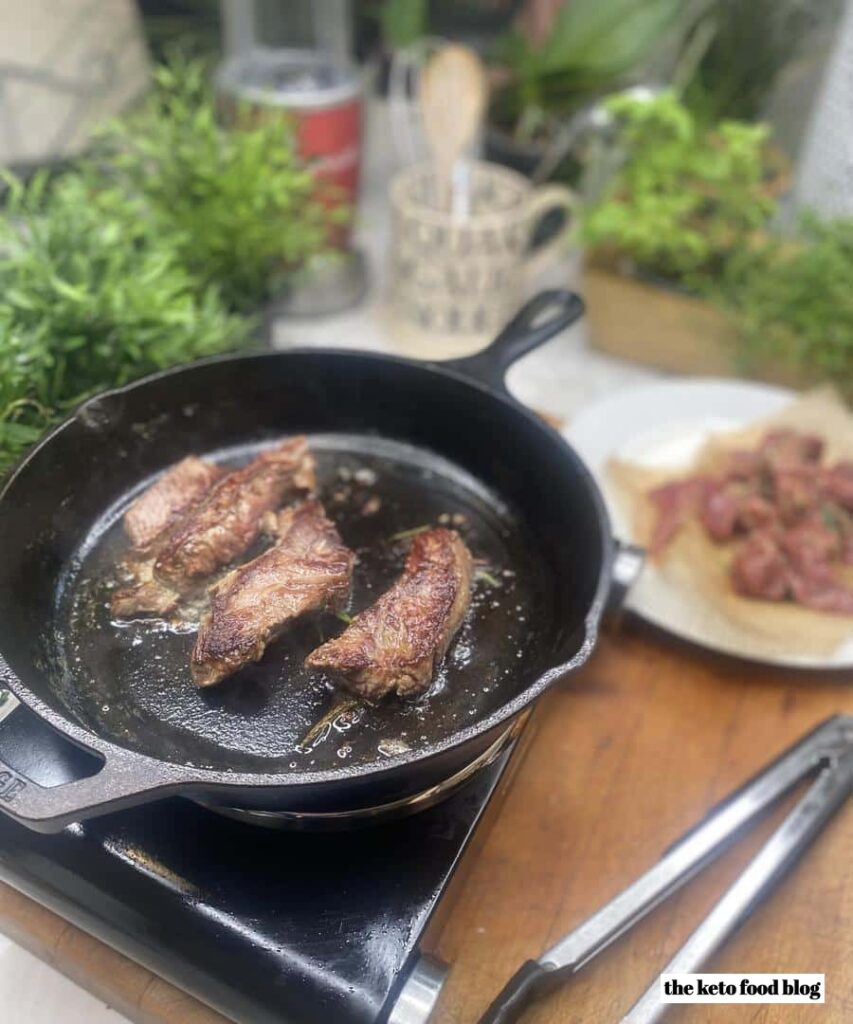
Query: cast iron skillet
point(425, 441)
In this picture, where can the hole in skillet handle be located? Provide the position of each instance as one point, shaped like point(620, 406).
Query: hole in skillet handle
point(538, 320)
point(113, 778)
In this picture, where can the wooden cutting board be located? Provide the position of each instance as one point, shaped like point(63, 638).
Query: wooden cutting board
point(622, 759)
point(627, 755)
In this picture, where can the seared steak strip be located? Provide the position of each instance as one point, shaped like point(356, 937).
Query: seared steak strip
point(309, 569)
point(398, 642)
point(217, 530)
point(176, 491)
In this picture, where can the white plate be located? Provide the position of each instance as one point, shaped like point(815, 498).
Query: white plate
point(664, 425)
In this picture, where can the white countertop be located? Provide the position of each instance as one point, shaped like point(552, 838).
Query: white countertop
point(558, 378)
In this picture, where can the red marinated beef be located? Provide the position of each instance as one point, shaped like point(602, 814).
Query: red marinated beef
point(793, 515)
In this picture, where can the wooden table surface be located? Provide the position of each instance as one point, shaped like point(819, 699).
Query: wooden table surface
point(626, 756)
point(619, 761)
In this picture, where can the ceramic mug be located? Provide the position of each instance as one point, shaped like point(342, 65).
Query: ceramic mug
point(456, 276)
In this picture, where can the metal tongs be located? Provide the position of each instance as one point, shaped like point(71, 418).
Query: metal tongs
point(826, 752)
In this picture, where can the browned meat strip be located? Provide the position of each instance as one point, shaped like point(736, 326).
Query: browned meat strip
point(142, 594)
point(229, 518)
point(217, 530)
point(779, 449)
point(309, 569)
point(397, 643)
point(177, 490)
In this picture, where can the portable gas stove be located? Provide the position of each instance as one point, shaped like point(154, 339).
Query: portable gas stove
point(262, 924)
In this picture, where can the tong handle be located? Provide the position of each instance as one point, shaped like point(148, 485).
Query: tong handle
point(778, 854)
point(525, 986)
point(831, 742)
point(700, 845)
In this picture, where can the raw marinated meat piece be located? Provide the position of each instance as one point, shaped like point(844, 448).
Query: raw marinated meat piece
point(675, 503)
point(796, 490)
point(810, 543)
point(759, 568)
point(785, 448)
point(821, 591)
point(721, 511)
point(838, 484)
point(756, 512)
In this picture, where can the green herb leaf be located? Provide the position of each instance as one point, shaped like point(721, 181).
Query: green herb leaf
point(484, 574)
point(413, 532)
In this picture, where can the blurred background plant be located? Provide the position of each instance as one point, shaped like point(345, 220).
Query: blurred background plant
point(740, 49)
point(402, 22)
point(92, 294)
point(790, 302)
point(244, 209)
point(193, 25)
point(157, 248)
point(694, 207)
point(685, 196)
point(561, 55)
point(176, 228)
point(552, 59)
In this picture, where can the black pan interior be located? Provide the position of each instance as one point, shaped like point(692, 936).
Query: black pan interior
point(130, 682)
point(437, 445)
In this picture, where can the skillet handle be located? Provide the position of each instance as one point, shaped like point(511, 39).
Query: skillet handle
point(124, 779)
point(538, 320)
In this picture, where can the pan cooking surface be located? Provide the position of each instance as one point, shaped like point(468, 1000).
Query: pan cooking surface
point(130, 682)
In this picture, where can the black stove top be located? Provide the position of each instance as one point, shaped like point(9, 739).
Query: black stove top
point(265, 926)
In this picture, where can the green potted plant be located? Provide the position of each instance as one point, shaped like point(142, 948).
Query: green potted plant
point(683, 199)
point(557, 59)
point(789, 304)
point(157, 249)
point(742, 50)
point(246, 213)
point(92, 294)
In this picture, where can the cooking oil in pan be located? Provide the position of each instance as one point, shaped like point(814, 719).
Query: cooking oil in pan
point(131, 681)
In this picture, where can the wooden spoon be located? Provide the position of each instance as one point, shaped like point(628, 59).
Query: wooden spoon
point(453, 91)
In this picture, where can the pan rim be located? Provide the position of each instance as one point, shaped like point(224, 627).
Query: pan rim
point(176, 775)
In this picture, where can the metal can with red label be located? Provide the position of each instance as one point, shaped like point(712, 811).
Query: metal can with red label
point(320, 97)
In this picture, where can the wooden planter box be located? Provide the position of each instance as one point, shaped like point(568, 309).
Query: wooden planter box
point(660, 327)
point(667, 329)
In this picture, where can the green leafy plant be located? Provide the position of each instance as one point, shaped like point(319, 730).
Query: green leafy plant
point(403, 22)
point(243, 208)
point(591, 47)
point(790, 301)
point(684, 197)
point(748, 46)
point(92, 294)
